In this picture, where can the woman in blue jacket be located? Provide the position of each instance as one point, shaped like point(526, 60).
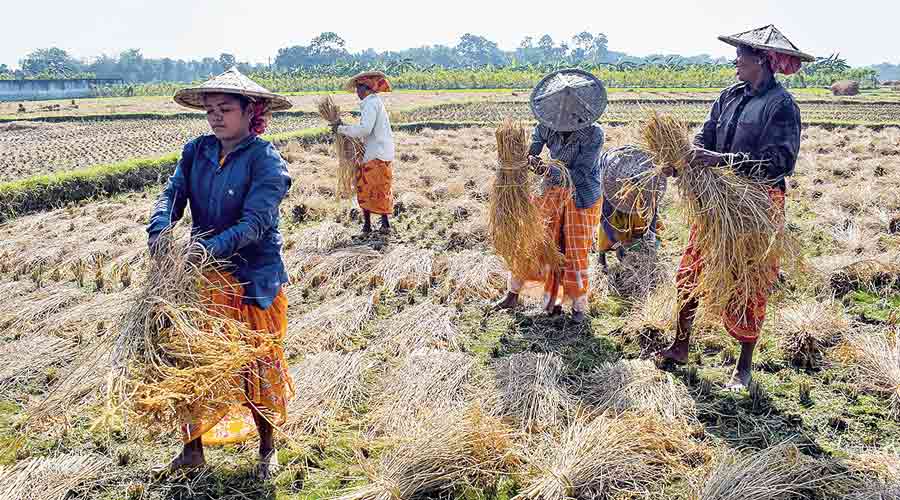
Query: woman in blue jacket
point(234, 182)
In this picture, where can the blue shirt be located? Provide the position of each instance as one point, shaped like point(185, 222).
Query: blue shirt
point(580, 153)
point(234, 209)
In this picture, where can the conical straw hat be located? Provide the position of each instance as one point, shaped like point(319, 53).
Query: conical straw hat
point(350, 86)
point(569, 99)
point(767, 38)
point(231, 82)
point(629, 164)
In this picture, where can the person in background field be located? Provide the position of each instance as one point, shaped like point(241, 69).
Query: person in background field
point(233, 182)
point(754, 125)
point(374, 177)
point(567, 104)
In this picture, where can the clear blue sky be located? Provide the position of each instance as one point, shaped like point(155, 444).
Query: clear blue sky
point(863, 31)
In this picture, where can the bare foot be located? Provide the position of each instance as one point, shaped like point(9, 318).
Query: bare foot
point(554, 311)
point(740, 380)
point(677, 353)
point(510, 302)
point(268, 465)
point(186, 460)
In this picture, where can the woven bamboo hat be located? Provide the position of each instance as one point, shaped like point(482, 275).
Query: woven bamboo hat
point(568, 99)
point(231, 82)
point(767, 38)
point(628, 164)
point(376, 80)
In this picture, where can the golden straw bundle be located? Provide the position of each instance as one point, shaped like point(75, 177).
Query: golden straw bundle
point(349, 150)
point(176, 354)
point(740, 232)
point(516, 225)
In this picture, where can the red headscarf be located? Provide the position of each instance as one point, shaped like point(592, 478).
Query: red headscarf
point(783, 63)
point(376, 83)
point(259, 119)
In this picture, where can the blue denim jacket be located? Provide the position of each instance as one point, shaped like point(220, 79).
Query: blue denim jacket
point(580, 153)
point(234, 208)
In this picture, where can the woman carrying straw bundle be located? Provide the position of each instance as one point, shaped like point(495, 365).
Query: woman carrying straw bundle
point(234, 181)
point(755, 126)
point(567, 104)
point(373, 179)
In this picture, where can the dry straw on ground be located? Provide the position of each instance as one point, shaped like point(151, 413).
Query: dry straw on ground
point(32, 359)
point(637, 385)
point(880, 474)
point(474, 275)
point(349, 150)
point(629, 456)
point(334, 271)
point(777, 473)
point(56, 478)
point(516, 225)
point(325, 385)
point(405, 268)
point(531, 391)
point(425, 325)
point(875, 361)
point(335, 325)
point(739, 230)
point(436, 453)
point(175, 353)
point(809, 329)
point(638, 274)
point(425, 382)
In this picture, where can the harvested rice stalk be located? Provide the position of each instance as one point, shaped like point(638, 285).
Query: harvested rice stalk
point(349, 150)
point(879, 472)
point(405, 268)
point(426, 325)
point(651, 321)
point(325, 385)
point(638, 274)
point(871, 275)
point(777, 473)
point(637, 385)
point(876, 364)
point(516, 225)
point(739, 229)
point(26, 314)
point(628, 456)
point(475, 275)
point(52, 478)
point(333, 326)
point(434, 454)
point(174, 355)
point(427, 381)
point(531, 391)
point(809, 329)
point(324, 237)
point(334, 271)
point(33, 358)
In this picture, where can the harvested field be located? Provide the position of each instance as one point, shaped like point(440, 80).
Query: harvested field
point(47, 147)
point(387, 333)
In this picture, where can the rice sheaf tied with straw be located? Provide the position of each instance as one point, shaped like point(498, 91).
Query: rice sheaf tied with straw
point(516, 225)
point(176, 352)
point(349, 150)
point(740, 231)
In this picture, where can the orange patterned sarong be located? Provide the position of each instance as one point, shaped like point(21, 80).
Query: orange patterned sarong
point(574, 228)
point(265, 384)
point(742, 323)
point(374, 187)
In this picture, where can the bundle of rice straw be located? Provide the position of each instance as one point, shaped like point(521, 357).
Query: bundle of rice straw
point(879, 473)
point(425, 325)
point(777, 473)
point(175, 354)
point(739, 230)
point(349, 150)
point(29, 359)
point(628, 456)
point(810, 328)
point(335, 271)
point(475, 275)
point(876, 364)
point(531, 391)
point(405, 268)
point(638, 274)
point(333, 326)
point(517, 228)
point(56, 478)
point(436, 453)
point(325, 385)
point(426, 381)
point(637, 385)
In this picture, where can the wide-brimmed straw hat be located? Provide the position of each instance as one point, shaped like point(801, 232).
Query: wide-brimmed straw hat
point(231, 82)
point(624, 165)
point(568, 99)
point(767, 38)
point(383, 85)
